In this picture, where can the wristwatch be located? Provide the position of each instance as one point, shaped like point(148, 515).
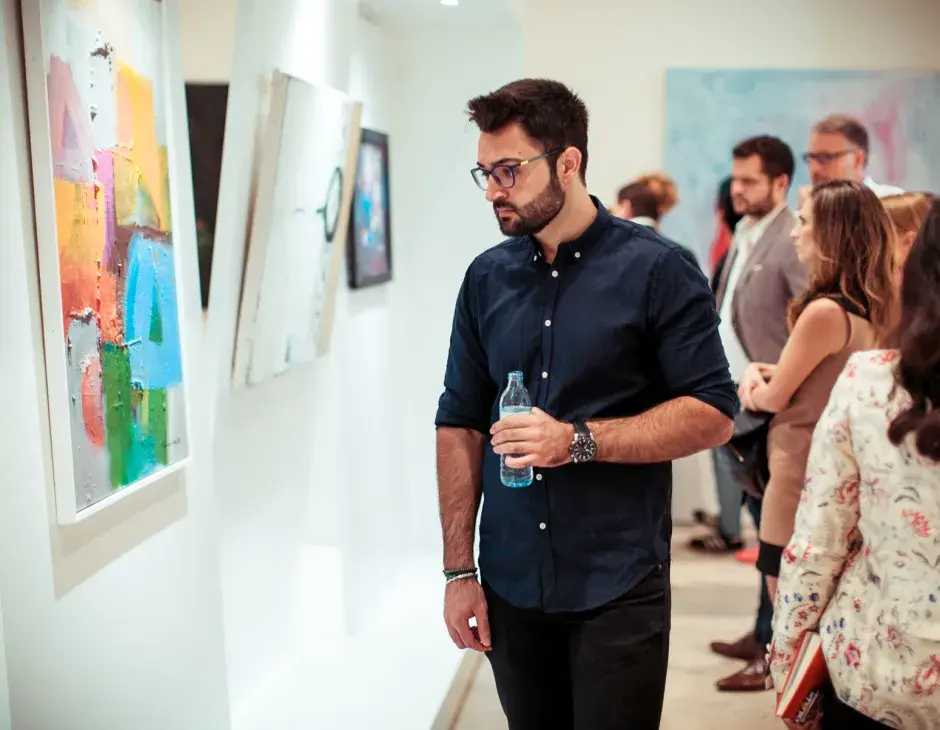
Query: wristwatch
point(583, 447)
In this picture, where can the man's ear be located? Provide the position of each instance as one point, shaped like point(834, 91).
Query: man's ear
point(569, 163)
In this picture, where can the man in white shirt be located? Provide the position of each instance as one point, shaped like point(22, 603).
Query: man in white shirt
point(839, 149)
point(760, 278)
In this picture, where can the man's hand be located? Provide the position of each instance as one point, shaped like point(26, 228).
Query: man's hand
point(532, 439)
point(463, 600)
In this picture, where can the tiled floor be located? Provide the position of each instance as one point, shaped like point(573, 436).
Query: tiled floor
point(713, 598)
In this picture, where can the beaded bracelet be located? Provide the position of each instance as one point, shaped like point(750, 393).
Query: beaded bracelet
point(452, 575)
point(461, 576)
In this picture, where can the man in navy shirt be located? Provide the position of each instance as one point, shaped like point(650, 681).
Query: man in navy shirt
point(615, 331)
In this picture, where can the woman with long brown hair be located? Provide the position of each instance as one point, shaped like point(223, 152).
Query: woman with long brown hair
point(907, 212)
point(846, 241)
point(863, 565)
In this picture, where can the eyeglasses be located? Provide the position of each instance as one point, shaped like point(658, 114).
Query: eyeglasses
point(505, 175)
point(824, 158)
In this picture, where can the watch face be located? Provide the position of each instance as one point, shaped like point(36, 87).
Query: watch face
point(583, 450)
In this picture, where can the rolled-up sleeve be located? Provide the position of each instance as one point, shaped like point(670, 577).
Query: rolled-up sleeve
point(684, 323)
point(469, 392)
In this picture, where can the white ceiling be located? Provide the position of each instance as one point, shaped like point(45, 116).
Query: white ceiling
point(431, 12)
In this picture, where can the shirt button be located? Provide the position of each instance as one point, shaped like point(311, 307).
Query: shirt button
point(577, 254)
point(544, 375)
point(538, 477)
point(542, 525)
point(548, 323)
point(555, 274)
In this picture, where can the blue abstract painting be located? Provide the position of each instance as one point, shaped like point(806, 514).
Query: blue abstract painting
point(708, 111)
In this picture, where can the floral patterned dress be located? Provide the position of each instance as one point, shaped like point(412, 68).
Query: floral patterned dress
point(863, 565)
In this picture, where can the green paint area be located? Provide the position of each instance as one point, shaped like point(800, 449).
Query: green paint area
point(157, 432)
point(135, 421)
point(119, 413)
point(156, 317)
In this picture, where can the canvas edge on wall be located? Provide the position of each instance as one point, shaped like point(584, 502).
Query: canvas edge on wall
point(257, 244)
point(256, 250)
point(371, 136)
point(56, 375)
point(338, 254)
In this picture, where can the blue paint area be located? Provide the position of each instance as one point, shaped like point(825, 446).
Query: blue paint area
point(151, 295)
point(708, 111)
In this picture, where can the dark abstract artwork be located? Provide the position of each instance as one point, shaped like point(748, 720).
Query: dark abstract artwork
point(370, 247)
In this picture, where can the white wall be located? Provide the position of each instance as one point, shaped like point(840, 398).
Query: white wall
point(619, 67)
point(442, 220)
point(116, 623)
point(207, 39)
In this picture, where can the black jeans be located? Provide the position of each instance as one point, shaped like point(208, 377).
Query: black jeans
point(603, 669)
point(763, 624)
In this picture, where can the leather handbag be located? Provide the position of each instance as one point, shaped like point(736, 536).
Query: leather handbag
point(748, 446)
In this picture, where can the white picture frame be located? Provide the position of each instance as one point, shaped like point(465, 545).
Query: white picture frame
point(297, 241)
point(97, 80)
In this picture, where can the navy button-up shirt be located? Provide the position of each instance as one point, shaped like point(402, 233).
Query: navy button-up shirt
point(621, 321)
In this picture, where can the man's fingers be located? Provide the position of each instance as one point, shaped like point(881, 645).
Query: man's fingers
point(523, 461)
point(466, 636)
point(512, 435)
point(455, 637)
point(521, 448)
point(483, 625)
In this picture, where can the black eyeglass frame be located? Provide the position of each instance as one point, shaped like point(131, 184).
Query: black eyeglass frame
point(509, 167)
point(827, 157)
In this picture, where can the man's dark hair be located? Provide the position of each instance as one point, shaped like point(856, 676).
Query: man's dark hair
point(849, 127)
point(776, 157)
point(643, 201)
point(548, 111)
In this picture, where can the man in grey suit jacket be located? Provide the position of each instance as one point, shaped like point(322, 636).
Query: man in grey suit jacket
point(760, 278)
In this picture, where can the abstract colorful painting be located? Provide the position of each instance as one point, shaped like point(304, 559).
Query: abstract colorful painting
point(300, 218)
point(107, 257)
point(708, 111)
point(369, 258)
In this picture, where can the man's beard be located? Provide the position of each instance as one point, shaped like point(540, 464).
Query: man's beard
point(758, 209)
point(532, 217)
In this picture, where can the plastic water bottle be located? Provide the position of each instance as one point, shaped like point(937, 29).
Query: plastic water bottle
point(515, 399)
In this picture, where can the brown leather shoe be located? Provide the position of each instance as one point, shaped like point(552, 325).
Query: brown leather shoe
point(753, 678)
point(744, 648)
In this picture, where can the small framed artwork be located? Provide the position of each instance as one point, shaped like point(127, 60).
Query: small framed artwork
point(100, 128)
point(369, 258)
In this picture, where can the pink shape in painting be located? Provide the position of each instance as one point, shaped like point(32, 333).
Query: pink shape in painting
point(889, 142)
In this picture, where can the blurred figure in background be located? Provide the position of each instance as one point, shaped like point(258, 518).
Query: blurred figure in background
point(861, 566)
point(647, 199)
point(638, 203)
point(907, 212)
point(839, 149)
point(726, 220)
point(761, 276)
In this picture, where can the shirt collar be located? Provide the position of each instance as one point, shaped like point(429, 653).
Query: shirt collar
point(644, 221)
point(583, 243)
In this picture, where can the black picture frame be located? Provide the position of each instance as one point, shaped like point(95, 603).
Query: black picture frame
point(206, 109)
point(370, 264)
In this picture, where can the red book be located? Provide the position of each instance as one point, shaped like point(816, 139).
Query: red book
point(800, 696)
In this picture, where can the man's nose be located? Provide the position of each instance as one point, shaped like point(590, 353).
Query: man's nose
point(494, 192)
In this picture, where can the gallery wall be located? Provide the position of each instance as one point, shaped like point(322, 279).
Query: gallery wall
point(114, 623)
